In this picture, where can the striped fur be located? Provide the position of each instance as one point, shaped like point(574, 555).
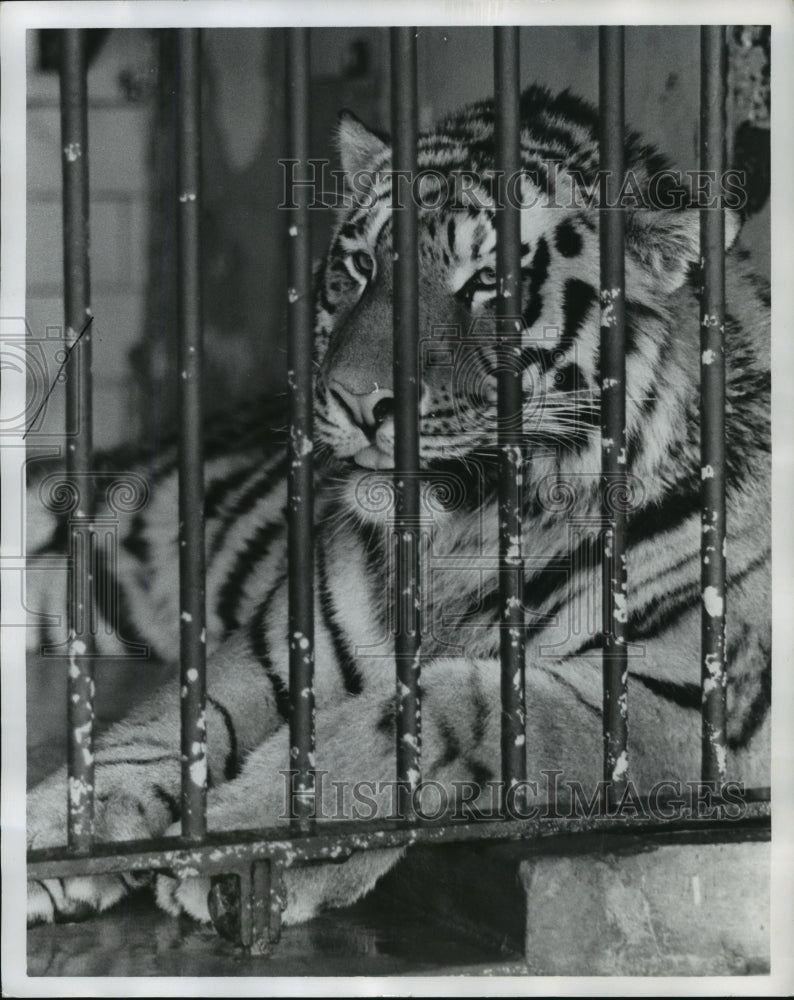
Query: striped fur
point(138, 763)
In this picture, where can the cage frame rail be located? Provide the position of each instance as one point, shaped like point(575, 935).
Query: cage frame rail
point(247, 867)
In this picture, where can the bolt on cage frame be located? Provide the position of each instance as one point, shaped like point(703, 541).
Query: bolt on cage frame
point(258, 858)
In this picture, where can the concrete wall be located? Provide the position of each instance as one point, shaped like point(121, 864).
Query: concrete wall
point(119, 181)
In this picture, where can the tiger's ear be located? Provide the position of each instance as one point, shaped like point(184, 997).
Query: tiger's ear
point(359, 147)
point(667, 242)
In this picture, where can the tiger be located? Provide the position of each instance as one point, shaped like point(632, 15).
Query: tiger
point(138, 759)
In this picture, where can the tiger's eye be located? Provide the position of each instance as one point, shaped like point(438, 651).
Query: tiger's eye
point(363, 263)
point(486, 277)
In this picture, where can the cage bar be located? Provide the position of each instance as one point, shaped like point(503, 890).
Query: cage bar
point(301, 496)
point(404, 125)
point(510, 419)
point(192, 625)
point(712, 410)
point(613, 406)
point(77, 308)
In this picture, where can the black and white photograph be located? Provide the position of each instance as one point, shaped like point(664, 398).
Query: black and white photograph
point(396, 545)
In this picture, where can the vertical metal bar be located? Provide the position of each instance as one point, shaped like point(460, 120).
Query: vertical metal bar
point(404, 124)
point(191, 451)
point(613, 407)
point(301, 489)
point(510, 420)
point(712, 409)
point(77, 307)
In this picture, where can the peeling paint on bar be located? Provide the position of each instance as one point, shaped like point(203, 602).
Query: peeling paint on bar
point(714, 606)
point(198, 771)
point(610, 297)
point(712, 412)
point(80, 792)
point(413, 776)
point(621, 767)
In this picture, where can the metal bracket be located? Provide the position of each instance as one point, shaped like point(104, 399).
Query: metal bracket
point(246, 905)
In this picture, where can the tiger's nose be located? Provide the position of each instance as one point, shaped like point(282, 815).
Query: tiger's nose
point(367, 410)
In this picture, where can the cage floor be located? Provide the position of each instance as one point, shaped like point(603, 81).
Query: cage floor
point(372, 938)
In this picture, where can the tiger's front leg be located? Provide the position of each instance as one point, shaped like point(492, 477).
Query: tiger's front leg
point(137, 774)
point(356, 746)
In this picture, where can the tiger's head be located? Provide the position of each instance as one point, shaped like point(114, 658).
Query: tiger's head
point(559, 311)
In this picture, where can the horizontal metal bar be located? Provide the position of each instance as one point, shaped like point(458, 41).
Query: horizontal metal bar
point(714, 676)
point(81, 607)
point(226, 852)
point(300, 509)
point(192, 619)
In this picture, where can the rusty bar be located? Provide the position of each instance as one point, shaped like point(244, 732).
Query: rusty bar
point(613, 407)
point(301, 491)
point(510, 422)
point(228, 851)
point(77, 308)
point(712, 409)
point(191, 460)
point(260, 904)
point(406, 584)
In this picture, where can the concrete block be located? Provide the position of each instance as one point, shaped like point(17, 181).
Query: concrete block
point(690, 909)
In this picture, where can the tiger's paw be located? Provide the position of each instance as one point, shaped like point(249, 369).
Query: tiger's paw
point(307, 891)
point(120, 816)
point(68, 900)
point(204, 899)
point(184, 895)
